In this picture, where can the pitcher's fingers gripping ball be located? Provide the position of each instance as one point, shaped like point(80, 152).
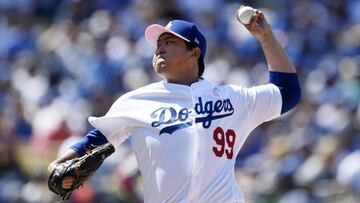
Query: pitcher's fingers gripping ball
point(244, 14)
point(79, 168)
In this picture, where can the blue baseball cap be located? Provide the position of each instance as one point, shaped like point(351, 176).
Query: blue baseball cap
point(180, 28)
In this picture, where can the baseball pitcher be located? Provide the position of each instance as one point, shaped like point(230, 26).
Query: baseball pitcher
point(185, 131)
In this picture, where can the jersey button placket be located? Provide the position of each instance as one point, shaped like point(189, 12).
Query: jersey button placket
point(197, 154)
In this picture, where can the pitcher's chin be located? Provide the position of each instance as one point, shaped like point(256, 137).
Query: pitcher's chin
point(160, 66)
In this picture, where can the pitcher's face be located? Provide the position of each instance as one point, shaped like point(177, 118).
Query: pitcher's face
point(171, 54)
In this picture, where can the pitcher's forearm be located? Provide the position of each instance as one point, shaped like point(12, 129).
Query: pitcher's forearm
point(275, 55)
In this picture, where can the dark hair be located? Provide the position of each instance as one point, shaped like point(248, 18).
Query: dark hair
point(201, 64)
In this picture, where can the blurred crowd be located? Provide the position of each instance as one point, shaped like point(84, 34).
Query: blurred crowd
point(63, 60)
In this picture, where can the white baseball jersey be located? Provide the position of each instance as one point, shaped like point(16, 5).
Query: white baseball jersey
point(186, 138)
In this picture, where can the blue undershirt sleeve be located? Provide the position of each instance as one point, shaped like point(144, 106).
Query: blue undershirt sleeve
point(288, 84)
point(94, 137)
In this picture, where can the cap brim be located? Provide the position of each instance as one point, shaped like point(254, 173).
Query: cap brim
point(153, 32)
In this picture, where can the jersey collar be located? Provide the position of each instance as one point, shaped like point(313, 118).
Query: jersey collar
point(201, 83)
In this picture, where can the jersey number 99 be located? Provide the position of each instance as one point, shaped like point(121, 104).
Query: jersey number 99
point(225, 142)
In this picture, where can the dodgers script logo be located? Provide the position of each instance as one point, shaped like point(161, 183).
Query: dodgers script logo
point(168, 116)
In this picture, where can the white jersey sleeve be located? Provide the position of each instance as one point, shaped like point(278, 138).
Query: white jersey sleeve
point(263, 103)
point(115, 124)
point(126, 113)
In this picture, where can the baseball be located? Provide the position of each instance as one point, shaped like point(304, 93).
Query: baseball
point(244, 14)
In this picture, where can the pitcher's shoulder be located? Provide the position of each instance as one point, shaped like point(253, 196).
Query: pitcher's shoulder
point(147, 89)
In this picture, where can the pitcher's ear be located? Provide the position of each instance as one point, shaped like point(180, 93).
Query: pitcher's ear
point(196, 52)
